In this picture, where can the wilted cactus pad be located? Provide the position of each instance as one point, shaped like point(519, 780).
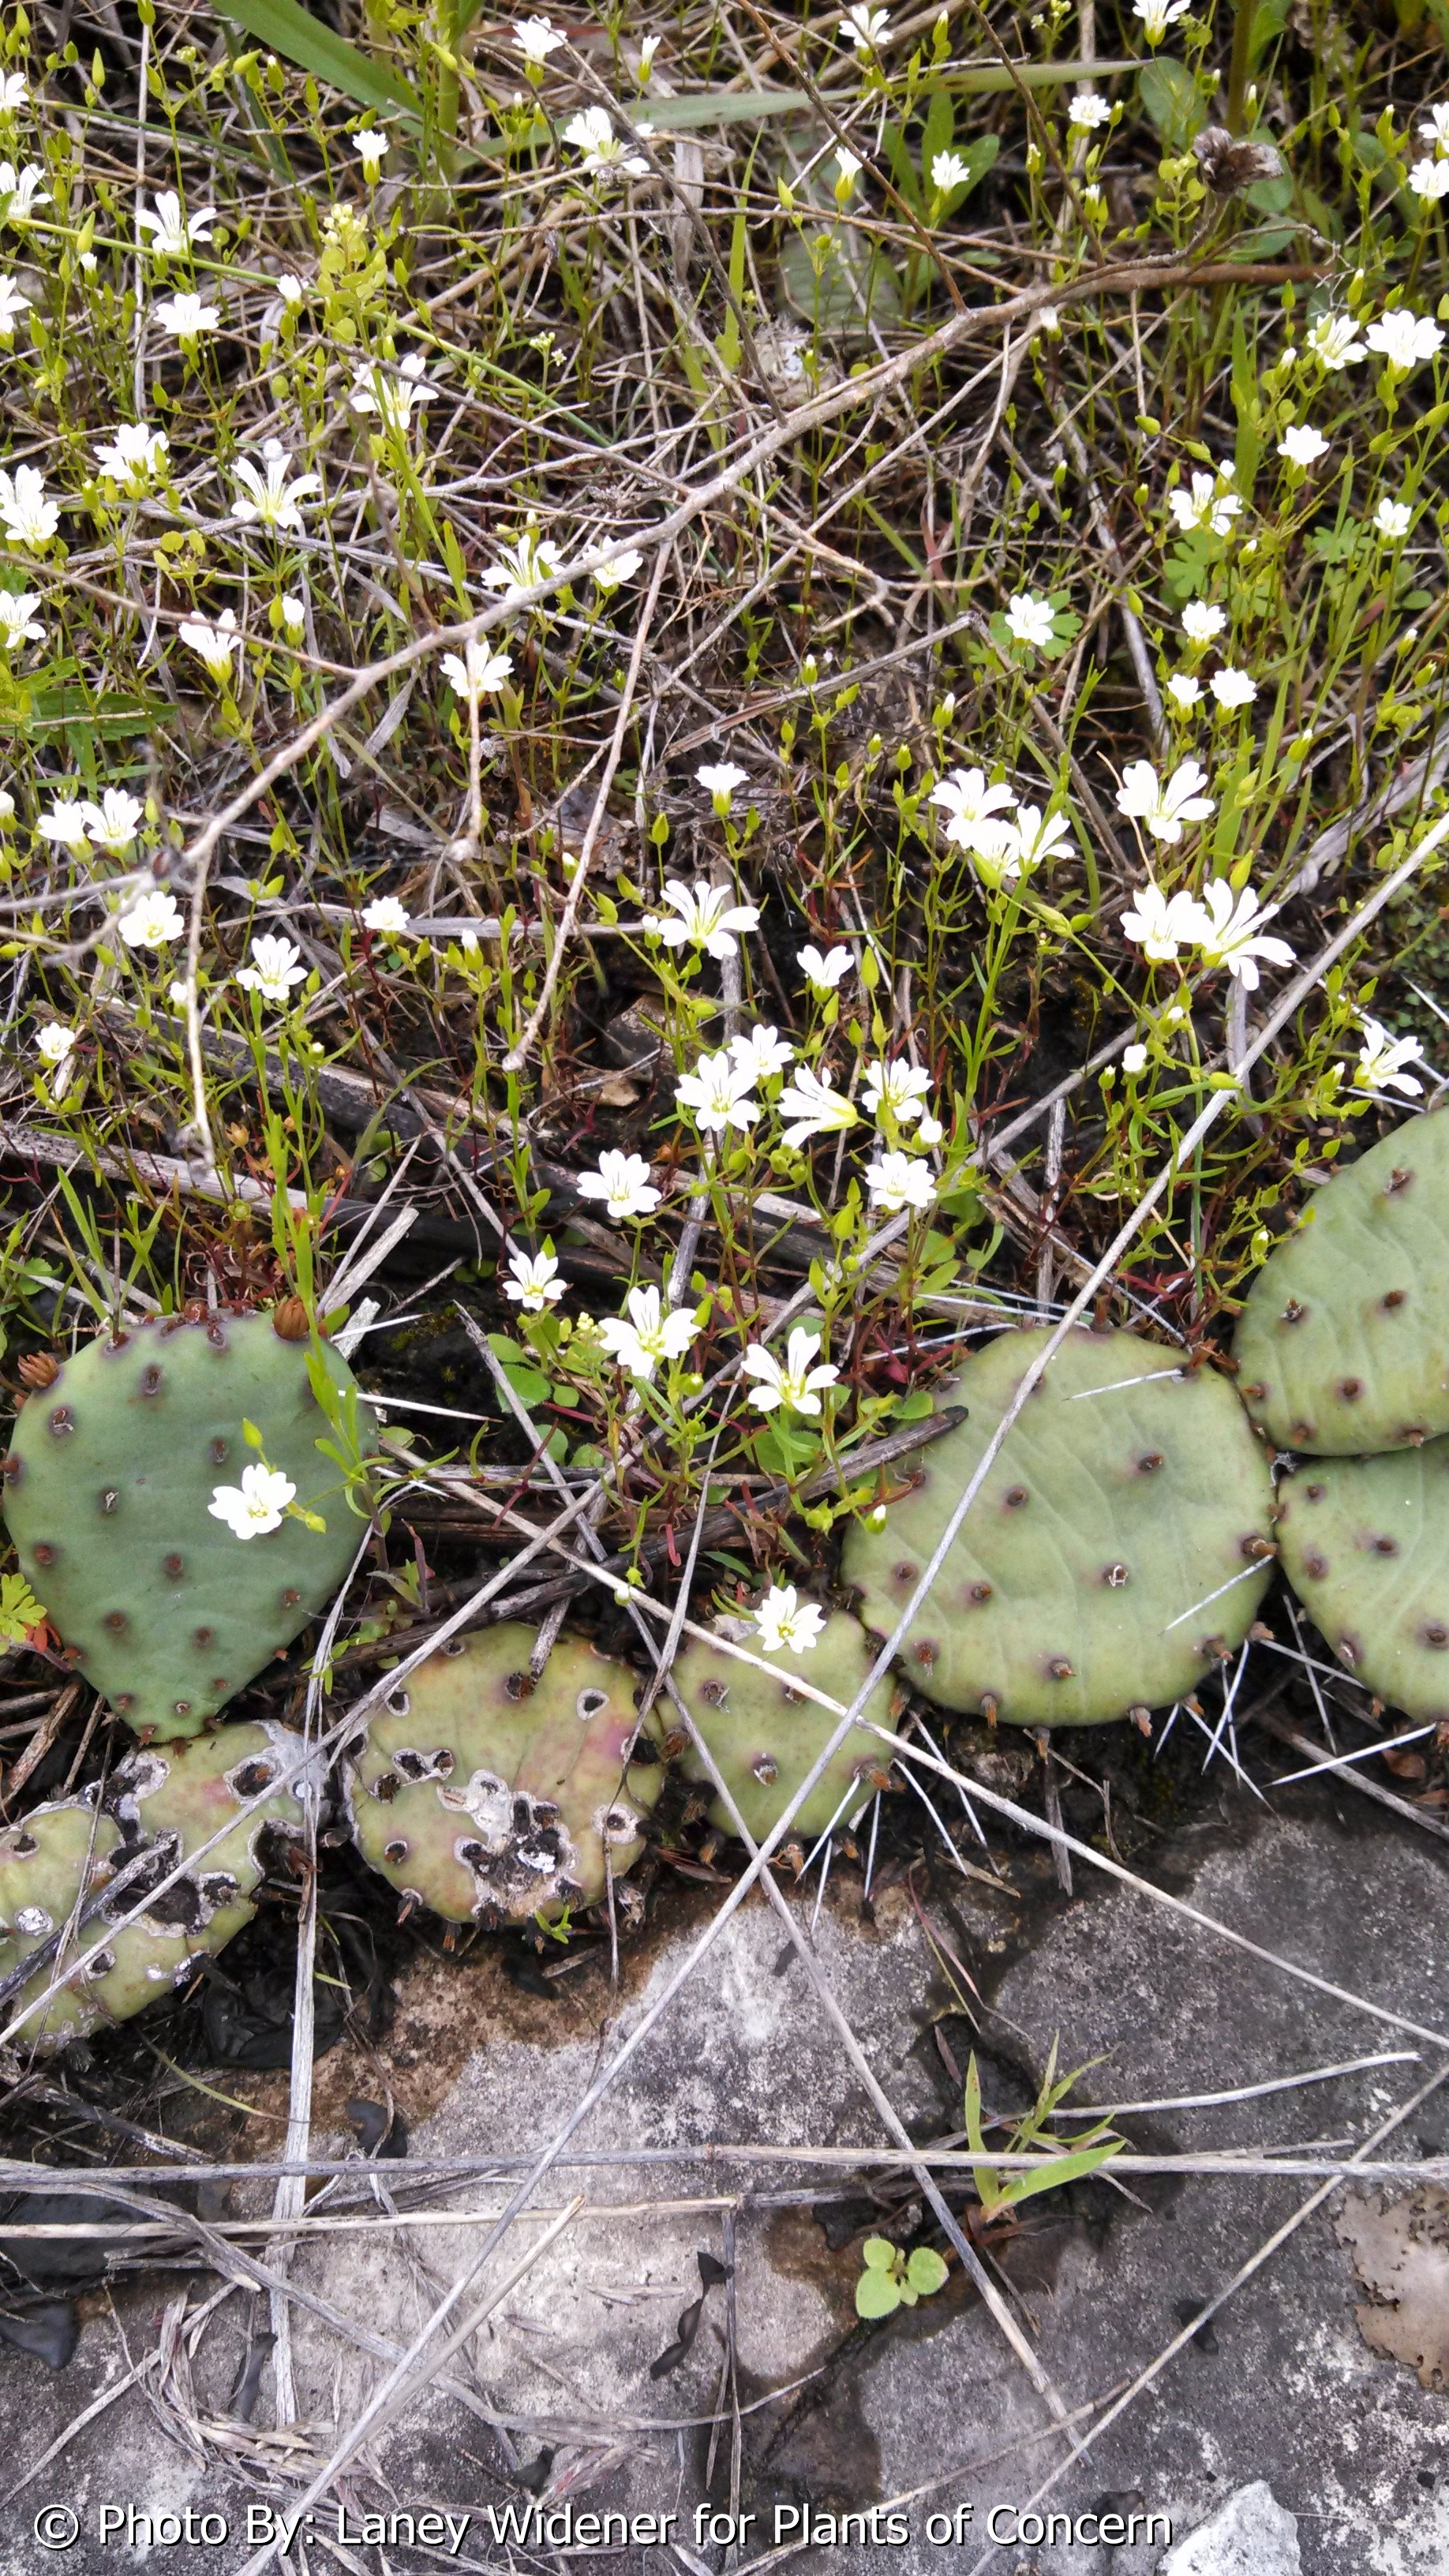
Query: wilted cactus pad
point(491, 1797)
point(765, 1734)
point(1343, 1345)
point(1113, 1509)
point(1366, 1547)
point(108, 1484)
point(168, 1800)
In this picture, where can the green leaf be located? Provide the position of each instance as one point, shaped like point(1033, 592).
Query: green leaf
point(528, 1385)
point(926, 2272)
point(288, 29)
point(876, 2295)
point(750, 107)
point(1171, 98)
point(1062, 2169)
point(916, 1405)
point(20, 1611)
point(878, 2254)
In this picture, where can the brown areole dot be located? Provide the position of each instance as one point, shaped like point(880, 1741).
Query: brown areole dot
point(1434, 1633)
point(1014, 1497)
point(1394, 1299)
point(1149, 1462)
point(1386, 1547)
point(44, 1552)
point(1114, 1576)
point(115, 1620)
point(1349, 1389)
point(62, 1421)
point(174, 1566)
point(219, 1451)
point(1315, 1566)
point(149, 1381)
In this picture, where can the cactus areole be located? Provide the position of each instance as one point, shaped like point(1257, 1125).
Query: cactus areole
point(109, 1489)
point(1118, 1548)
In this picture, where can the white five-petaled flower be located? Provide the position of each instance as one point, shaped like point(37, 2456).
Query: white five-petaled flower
point(153, 922)
point(1429, 179)
point(763, 1053)
point(134, 454)
point(21, 191)
point(372, 149)
point(12, 304)
point(55, 1046)
point(706, 918)
point(1029, 620)
point(276, 965)
point(719, 779)
point(393, 394)
point(1392, 520)
point(1302, 445)
point(111, 825)
point(622, 1182)
point(215, 644)
point(716, 1094)
point(64, 822)
point(1333, 340)
point(1435, 130)
point(1232, 933)
point(1034, 837)
point(1184, 690)
point(536, 39)
point(528, 561)
point(1157, 16)
point(1233, 689)
point(478, 671)
point(646, 1335)
point(791, 1383)
point(13, 93)
point(18, 621)
point(1206, 503)
point(29, 519)
point(385, 914)
point(256, 1505)
point(1134, 1058)
point(823, 969)
point(811, 1106)
point(172, 233)
point(535, 1283)
point(592, 135)
point(1201, 622)
point(948, 171)
point(266, 494)
point(294, 613)
point(1404, 340)
point(608, 576)
point(898, 1181)
point(787, 1625)
point(1085, 110)
point(1382, 1060)
point(973, 811)
point(187, 317)
point(1162, 926)
point(899, 1090)
point(867, 28)
point(1164, 805)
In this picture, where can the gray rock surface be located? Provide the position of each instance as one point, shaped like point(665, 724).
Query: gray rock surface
point(1252, 2536)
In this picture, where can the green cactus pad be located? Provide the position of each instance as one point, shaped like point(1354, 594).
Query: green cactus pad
point(170, 1800)
point(1112, 1509)
point(490, 1797)
point(108, 1484)
point(1366, 1548)
point(1343, 1345)
point(765, 1735)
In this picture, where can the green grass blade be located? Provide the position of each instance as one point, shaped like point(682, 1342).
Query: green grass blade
point(749, 106)
point(288, 29)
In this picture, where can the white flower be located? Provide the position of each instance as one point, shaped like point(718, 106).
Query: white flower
point(813, 1107)
point(899, 1089)
point(647, 51)
point(719, 779)
point(592, 135)
point(762, 1053)
point(535, 1283)
point(294, 612)
point(1164, 806)
point(173, 234)
point(824, 969)
point(1049, 320)
point(1333, 340)
point(623, 568)
point(1157, 16)
point(1184, 690)
point(290, 288)
point(13, 93)
point(896, 1182)
point(1303, 445)
point(64, 822)
point(1428, 179)
point(785, 1624)
point(849, 165)
point(640, 1340)
point(111, 825)
point(1405, 340)
point(478, 671)
point(393, 395)
point(1161, 927)
point(1381, 1061)
point(948, 171)
point(706, 918)
point(22, 191)
point(1392, 520)
point(1206, 504)
point(56, 1042)
point(1029, 619)
point(371, 148)
point(536, 39)
point(276, 966)
point(256, 1505)
point(1134, 1059)
point(269, 497)
point(973, 809)
point(153, 922)
point(1232, 934)
point(622, 1182)
point(187, 316)
point(528, 561)
point(930, 1130)
point(18, 623)
point(791, 1382)
point(1200, 623)
point(385, 914)
point(12, 304)
point(1034, 837)
point(1086, 110)
point(134, 454)
point(717, 1094)
point(865, 27)
point(1233, 689)
point(215, 644)
point(1435, 130)
point(29, 519)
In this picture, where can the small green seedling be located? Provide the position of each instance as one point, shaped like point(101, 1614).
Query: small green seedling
point(894, 2280)
point(998, 2192)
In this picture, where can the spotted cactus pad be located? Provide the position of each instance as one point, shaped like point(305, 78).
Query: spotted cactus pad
point(491, 1797)
point(1366, 1548)
point(1129, 1492)
point(1343, 1345)
point(108, 1485)
point(765, 1735)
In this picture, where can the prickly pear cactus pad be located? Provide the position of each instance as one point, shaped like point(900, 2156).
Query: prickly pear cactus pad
point(765, 1735)
point(108, 1492)
point(1126, 1496)
point(1366, 1548)
point(168, 1800)
point(491, 1797)
point(1343, 1345)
